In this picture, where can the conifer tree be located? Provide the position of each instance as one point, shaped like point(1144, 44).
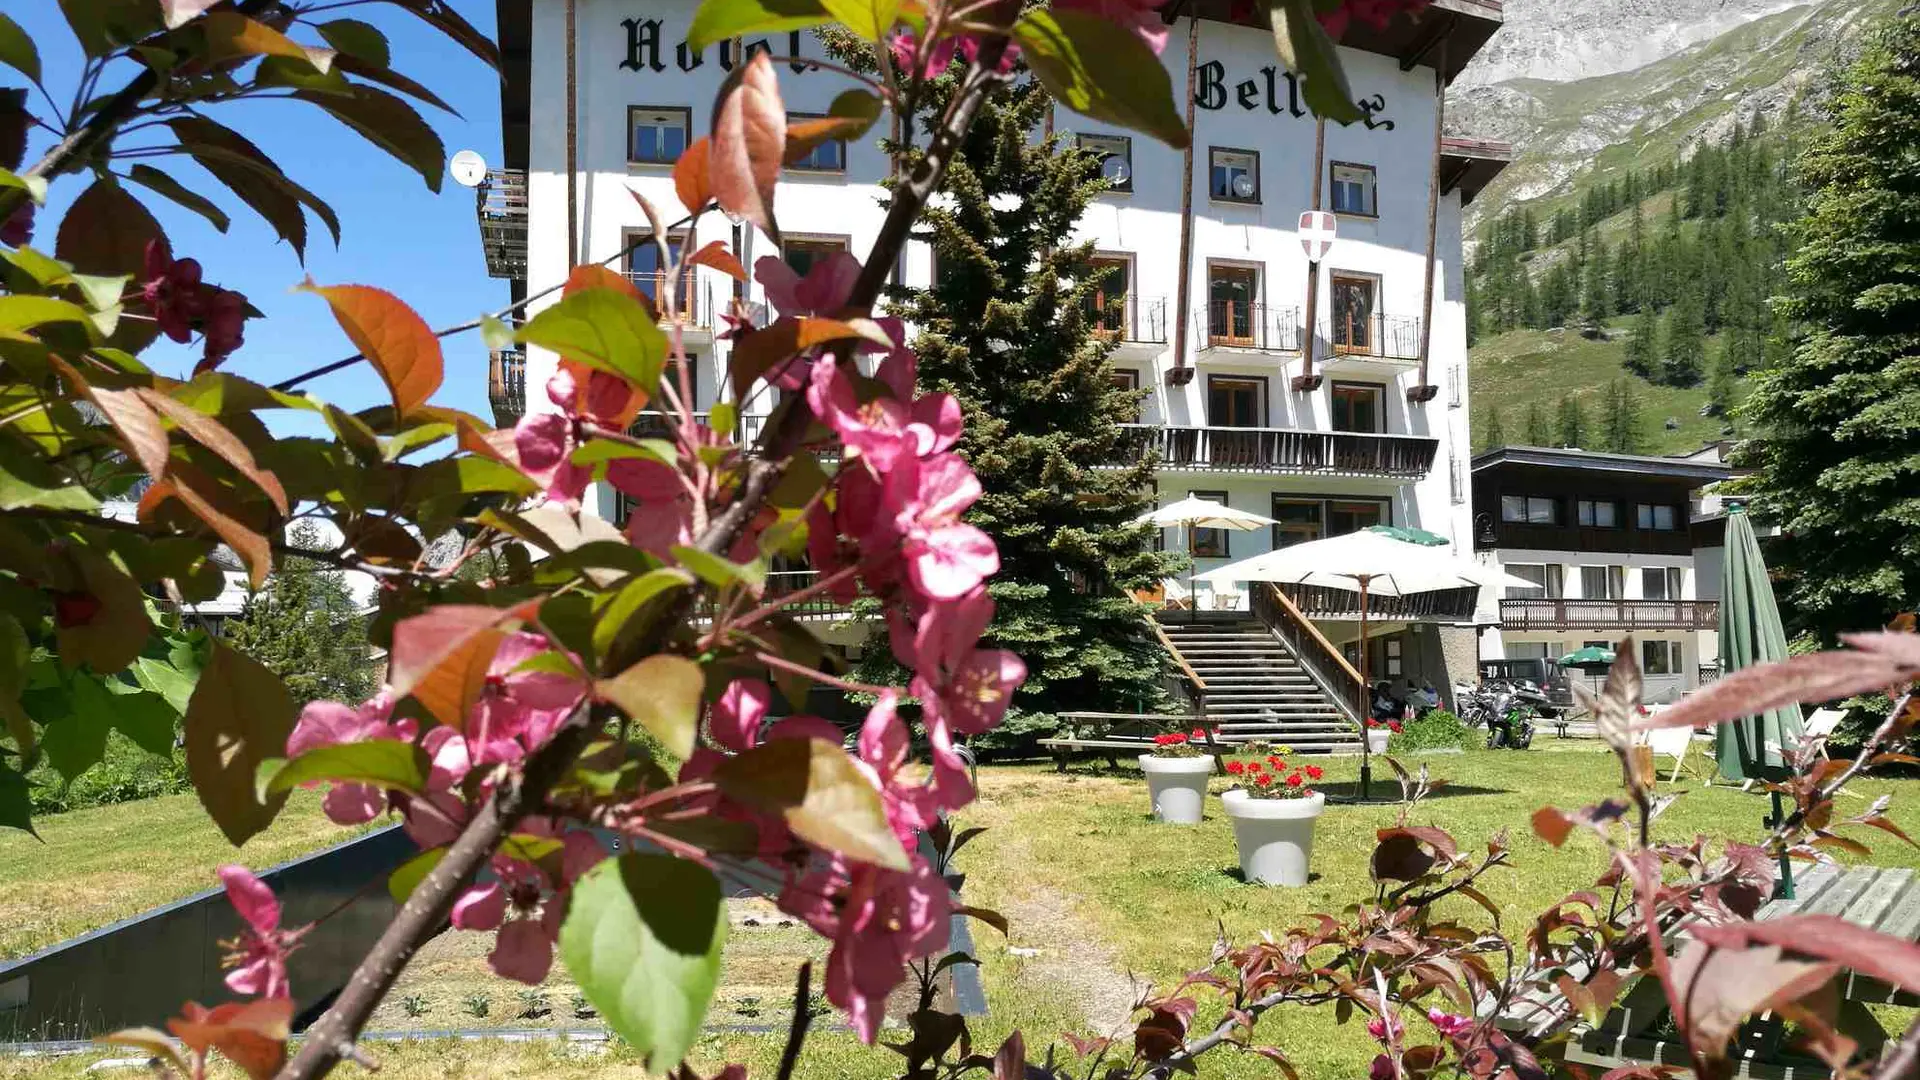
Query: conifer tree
point(1620, 431)
point(1572, 422)
point(1492, 434)
point(1539, 432)
point(1643, 343)
point(1683, 356)
point(1008, 329)
point(305, 626)
point(1835, 420)
point(1722, 383)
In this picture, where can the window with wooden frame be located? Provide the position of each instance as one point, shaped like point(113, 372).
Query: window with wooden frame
point(1236, 401)
point(1657, 517)
point(1297, 521)
point(1128, 379)
point(1351, 515)
point(1359, 407)
point(1233, 175)
point(1116, 158)
point(1233, 298)
point(1529, 510)
point(657, 134)
point(1355, 304)
point(1354, 189)
point(826, 156)
point(1108, 306)
point(1660, 657)
point(1599, 514)
point(647, 268)
point(1660, 583)
point(803, 253)
point(1208, 543)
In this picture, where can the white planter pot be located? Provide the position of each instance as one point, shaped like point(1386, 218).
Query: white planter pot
point(1178, 786)
point(1377, 740)
point(1275, 836)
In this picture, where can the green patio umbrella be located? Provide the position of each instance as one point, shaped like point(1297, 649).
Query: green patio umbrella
point(1589, 659)
point(1410, 535)
point(1750, 633)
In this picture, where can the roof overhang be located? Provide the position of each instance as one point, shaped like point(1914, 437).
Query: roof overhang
point(513, 20)
point(1658, 468)
point(1469, 165)
point(1444, 37)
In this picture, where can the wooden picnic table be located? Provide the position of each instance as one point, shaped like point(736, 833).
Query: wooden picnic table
point(1113, 732)
point(1637, 1029)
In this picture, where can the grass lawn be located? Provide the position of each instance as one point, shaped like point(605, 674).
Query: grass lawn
point(1107, 898)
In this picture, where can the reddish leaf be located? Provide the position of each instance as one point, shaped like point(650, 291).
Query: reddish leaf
point(1279, 1059)
point(849, 117)
point(104, 622)
point(393, 338)
point(253, 176)
point(749, 143)
point(206, 500)
point(252, 1035)
point(1809, 679)
point(759, 352)
point(1885, 824)
point(441, 656)
point(595, 276)
point(1011, 1062)
point(139, 427)
point(152, 1042)
point(214, 435)
point(692, 178)
point(1719, 987)
point(441, 15)
point(1828, 937)
point(106, 232)
point(1551, 825)
point(717, 256)
point(1902, 647)
point(991, 918)
point(239, 716)
point(1399, 857)
point(232, 36)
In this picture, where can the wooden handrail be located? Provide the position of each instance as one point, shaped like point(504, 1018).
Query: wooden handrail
point(1166, 643)
point(1339, 658)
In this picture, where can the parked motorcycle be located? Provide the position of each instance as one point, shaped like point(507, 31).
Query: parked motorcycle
point(1507, 709)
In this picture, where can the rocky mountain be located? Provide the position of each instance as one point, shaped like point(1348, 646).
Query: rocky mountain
point(1560, 82)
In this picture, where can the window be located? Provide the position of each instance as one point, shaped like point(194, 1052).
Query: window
point(1235, 402)
point(1351, 517)
point(648, 273)
point(1528, 650)
point(656, 135)
point(1129, 380)
point(1603, 582)
point(1394, 665)
point(803, 254)
point(1353, 188)
point(1529, 510)
point(1660, 582)
point(1116, 158)
point(1299, 520)
point(1657, 518)
point(1107, 304)
point(1549, 581)
point(651, 423)
point(829, 155)
point(1233, 293)
point(1661, 657)
point(1353, 314)
point(1235, 175)
point(1208, 543)
point(1359, 406)
point(1599, 515)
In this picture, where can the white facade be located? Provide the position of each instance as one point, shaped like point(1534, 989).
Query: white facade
point(631, 55)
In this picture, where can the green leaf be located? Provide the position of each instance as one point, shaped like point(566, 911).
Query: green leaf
point(718, 20)
point(351, 37)
point(604, 329)
point(408, 875)
point(1101, 69)
point(624, 604)
point(15, 653)
point(77, 741)
point(825, 798)
point(239, 716)
point(34, 186)
point(390, 124)
point(595, 451)
point(721, 572)
point(643, 938)
point(871, 19)
point(16, 49)
point(102, 293)
point(1309, 53)
point(256, 178)
point(722, 417)
point(105, 25)
point(661, 693)
point(147, 719)
point(27, 312)
point(382, 763)
point(27, 480)
point(494, 334)
point(16, 801)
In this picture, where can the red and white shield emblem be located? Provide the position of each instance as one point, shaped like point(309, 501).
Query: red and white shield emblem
point(1317, 232)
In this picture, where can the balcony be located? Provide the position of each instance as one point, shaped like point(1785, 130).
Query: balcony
point(1137, 325)
point(1234, 327)
point(501, 205)
point(693, 301)
point(507, 386)
point(1323, 602)
point(1373, 345)
point(1277, 450)
point(1546, 613)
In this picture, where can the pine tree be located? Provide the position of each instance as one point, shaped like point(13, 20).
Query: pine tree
point(1683, 356)
point(1492, 434)
point(1539, 432)
point(305, 626)
point(1007, 328)
point(1835, 420)
point(1620, 425)
point(1722, 383)
point(1572, 422)
point(1595, 304)
point(1643, 343)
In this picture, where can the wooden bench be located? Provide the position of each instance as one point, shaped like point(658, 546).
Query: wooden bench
point(1113, 732)
point(1637, 1030)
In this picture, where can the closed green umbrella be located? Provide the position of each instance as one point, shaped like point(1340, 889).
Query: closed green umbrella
point(1750, 633)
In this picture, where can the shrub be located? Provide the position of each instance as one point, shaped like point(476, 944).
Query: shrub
point(1437, 730)
point(126, 773)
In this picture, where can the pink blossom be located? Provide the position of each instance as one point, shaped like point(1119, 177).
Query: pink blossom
point(329, 723)
point(1447, 1023)
point(737, 716)
point(259, 955)
point(181, 303)
point(522, 950)
point(969, 50)
point(662, 518)
point(927, 64)
point(480, 907)
point(519, 708)
point(544, 444)
point(879, 920)
point(976, 695)
point(1381, 1068)
point(884, 751)
point(1140, 16)
point(824, 291)
point(945, 558)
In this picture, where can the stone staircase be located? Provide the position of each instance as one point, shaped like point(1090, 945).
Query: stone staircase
point(1255, 689)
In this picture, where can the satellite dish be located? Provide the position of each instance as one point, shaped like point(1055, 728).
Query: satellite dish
point(1116, 170)
point(468, 168)
point(1243, 186)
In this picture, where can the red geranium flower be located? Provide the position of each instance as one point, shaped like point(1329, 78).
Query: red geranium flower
point(1235, 768)
point(1253, 766)
point(1295, 780)
point(1198, 735)
point(1263, 780)
point(1315, 772)
point(1396, 727)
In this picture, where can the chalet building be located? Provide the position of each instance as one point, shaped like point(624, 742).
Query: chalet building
point(1614, 544)
point(1329, 397)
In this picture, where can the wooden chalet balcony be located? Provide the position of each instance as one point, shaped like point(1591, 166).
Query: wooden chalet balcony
point(1235, 325)
point(1550, 614)
point(501, 206)
point(1280, 450)
point(692, 297)
point(1325, 602)
point(1386, 337)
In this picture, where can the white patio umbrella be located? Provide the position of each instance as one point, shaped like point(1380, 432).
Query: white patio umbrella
point(1193, 513)
point(1375, 561)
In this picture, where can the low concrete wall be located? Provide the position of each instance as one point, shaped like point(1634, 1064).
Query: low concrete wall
point(140, 970)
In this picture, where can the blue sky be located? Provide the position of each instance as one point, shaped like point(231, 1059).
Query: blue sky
point(395, 233)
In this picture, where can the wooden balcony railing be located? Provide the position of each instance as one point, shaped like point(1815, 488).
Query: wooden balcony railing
point(1278, 450)
point(501, 206)
point(1325, 602)
point(1323, 663)
point(507, 385)
point(1394, 337)
point(1559, 614)
point(1234, 324)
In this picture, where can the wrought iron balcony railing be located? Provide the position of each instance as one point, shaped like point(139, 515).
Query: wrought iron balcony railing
point(1391, 337)
point(1278, 450)
point(507, 385)
point(501, 205)
point(1133, 319)
point(692, 298)
point(1232, 324)
point(1325, 602)
point(1547, 613)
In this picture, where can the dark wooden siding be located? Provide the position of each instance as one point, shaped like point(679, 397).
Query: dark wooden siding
point(1567, 487)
